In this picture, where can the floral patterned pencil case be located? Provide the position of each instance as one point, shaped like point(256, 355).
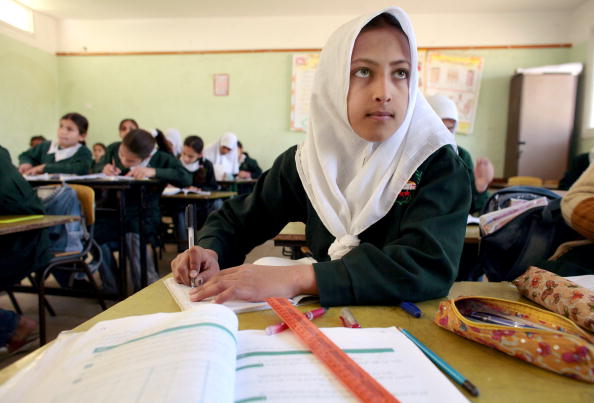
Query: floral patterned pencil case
point(559, 295)
point(531, 334)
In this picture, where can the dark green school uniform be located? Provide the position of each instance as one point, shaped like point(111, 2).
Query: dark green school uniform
point(478, 198)
point(204, 177)
point(168, 170)
point(251, 165)
point(23, 252)
point(78, 164)
point(412, 253)
point(111, 151)
point(577, 167)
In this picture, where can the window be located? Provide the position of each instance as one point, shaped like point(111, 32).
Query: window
point(17, 15)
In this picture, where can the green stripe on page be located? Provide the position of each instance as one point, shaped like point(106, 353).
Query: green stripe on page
point(300, 352)
point(168, 330)
point(252, 399)
point(249, 366)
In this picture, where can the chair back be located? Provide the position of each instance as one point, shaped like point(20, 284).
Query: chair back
point(524, 181)
point(86, 197)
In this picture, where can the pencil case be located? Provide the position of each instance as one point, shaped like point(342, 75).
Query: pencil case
point(552, 342)
point(559, 295)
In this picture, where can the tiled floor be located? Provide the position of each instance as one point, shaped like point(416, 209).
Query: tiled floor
point(70, 312)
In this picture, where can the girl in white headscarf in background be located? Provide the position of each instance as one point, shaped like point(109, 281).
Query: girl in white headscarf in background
point(377, 181)
point(173, 137)
point(223, 155)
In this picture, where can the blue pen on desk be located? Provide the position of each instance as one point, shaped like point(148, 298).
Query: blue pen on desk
point(411, 309)
point(190, 227)
point(441, 364)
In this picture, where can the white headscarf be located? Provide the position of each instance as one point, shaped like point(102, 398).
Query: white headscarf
point(227, 164)
point(444, 107)
point(370, 175)
point(174, 137)
point(62, 153)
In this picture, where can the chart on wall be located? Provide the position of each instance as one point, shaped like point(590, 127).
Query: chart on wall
point(304, 69)
point(457, 77)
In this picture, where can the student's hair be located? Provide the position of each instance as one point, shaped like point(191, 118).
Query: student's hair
point(139, 142)
point(79, 120)
point(37, 137)
point(162, 142)
point(239, 145)
point(100, 145)
point(195, 143)
point(383, 20)
point(127, 120)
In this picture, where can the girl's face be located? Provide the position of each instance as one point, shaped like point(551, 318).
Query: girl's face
point(189, 155)
point(224, 150)
point(378, 91)
point(127, 157)
point(126, 127)
point(68, 134)
point(98, 152)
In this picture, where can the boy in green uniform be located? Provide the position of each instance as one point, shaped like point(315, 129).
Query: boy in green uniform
point(65, 155)
point(377, 181)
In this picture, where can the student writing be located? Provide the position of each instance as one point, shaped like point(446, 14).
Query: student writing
point(223, 155)
point(66, 154)
point(125, 126)
point(377, 181)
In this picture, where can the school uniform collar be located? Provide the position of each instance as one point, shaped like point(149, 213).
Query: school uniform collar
point(194, 166)
point(350, 182)
point(62, 153)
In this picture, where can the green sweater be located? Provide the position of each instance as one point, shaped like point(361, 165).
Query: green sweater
point(78, 164)
point(478, 198)
point(411, 254)
point(251, 165)
point(22, 252)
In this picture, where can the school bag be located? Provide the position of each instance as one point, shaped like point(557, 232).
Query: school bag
point(526, 240)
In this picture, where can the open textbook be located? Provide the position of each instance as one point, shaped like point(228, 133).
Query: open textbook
point(172, 190)
point(69, 177)
point(180, 294)
point(199, 356)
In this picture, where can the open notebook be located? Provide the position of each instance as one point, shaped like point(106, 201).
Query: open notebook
point(172, 190)
point(180, 294)
point(200, 356)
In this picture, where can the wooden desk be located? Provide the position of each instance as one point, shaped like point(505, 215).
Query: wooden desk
point(293, 235)
point(34, 223)
point(499, 377)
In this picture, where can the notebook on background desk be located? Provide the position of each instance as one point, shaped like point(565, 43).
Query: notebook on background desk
point(200, 355)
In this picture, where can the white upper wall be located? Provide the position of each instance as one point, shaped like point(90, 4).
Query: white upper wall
point(44, 38)
point(582, 22)
point(196, 34)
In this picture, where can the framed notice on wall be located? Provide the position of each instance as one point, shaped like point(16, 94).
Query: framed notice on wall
point(221, 84)
point(304, 69)
point(457, 77)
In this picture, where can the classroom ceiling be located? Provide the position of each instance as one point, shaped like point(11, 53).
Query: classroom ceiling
point(140, 9)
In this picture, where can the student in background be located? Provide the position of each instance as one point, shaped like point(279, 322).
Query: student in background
point(35, 140)
point(126, 126)
point(248, 167)
point(67, 154)
point(223, 155)
point(483, 171)
point(99, 150)
point(377, 181)
point(173, 137)
point(139, 157)
point(20, 253)
point(577, 167)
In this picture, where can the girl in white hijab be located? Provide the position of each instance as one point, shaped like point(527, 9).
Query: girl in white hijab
point(173, 137)
point(223, 155)
point(377, 181)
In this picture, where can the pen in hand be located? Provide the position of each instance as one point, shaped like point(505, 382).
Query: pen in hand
point(190, 228)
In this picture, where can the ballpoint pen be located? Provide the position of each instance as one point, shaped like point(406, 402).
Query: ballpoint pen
point(441, 364)
point(411, 309)
point(280, 327)
point(190, 228)
point(348, 319)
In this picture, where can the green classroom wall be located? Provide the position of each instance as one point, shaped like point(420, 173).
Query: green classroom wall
point(28, 94)
point(177, 91)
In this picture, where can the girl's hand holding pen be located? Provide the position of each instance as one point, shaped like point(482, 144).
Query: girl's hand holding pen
point(111, 170)
point(195, 262)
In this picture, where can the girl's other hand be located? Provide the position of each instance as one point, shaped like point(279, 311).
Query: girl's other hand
point(142, 172)
point(36, 170)
point(24, 168)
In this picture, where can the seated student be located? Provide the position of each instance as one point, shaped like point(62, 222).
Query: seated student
point(66, 155)
point(173, 137)
point(125, 126)
point(20, 253)
point(377, 181)
point(138, 156)
point(223, 155)
point(248, 167)
point(482, 174)
point(99, 150)
point(577, 167)
point(35, 140)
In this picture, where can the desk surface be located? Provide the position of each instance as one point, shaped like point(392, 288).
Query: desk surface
point(34, 223)
point(211, 196)
point(499, 377)
point(294, 232)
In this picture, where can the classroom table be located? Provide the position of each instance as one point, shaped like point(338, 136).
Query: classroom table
point(240, 186)
point(34, 223)
point(214, 195)
point(499, 377)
